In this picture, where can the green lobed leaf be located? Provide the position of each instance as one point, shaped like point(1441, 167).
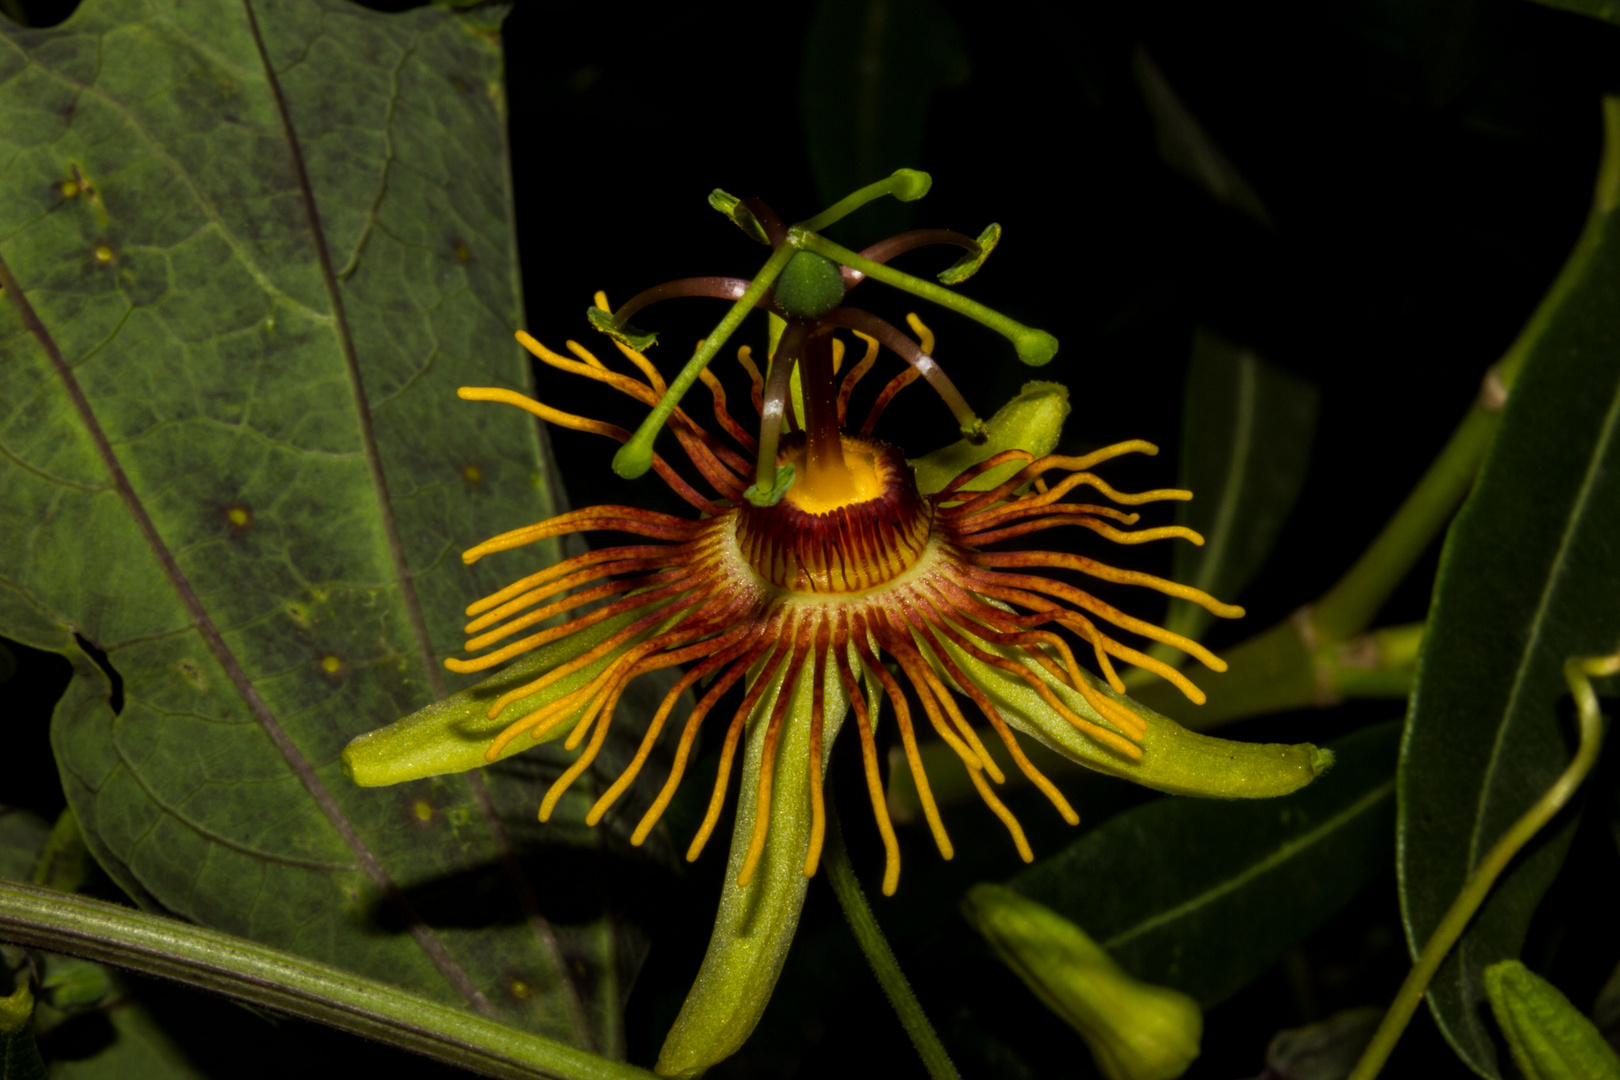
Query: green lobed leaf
point(1246, 438)
point(1528, 577)
point(1204, 896)
point(258, 246)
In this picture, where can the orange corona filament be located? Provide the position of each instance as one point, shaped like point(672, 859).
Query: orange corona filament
point(852, 566)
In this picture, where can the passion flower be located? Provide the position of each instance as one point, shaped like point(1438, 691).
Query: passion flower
point(819, 557)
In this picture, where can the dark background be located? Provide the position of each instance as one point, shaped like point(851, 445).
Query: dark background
point(1425, 166)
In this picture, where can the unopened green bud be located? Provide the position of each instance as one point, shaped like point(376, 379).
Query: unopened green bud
point(1035, 347)
point(19, 1055)
point(1136, 1031)
point(1548, 1038)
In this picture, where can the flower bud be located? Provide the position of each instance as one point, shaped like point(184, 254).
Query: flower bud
point(19, 1055)
point(1136, 1031)
point(1549, 1039)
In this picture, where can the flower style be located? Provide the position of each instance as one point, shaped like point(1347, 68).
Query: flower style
point(839, 559)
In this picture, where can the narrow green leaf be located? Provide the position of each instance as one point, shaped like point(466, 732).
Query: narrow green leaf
point(1528, 578)
point(1204, 896)
point(249, 252)
point(1245, 447)
point(1607, 10)
point(870, 70)
point(1186, 147)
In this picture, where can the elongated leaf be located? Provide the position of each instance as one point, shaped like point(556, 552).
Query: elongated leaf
point(1246, 444)
point(1204, 896)
point(870, 69)
point(253, 248)
point(1530, 575)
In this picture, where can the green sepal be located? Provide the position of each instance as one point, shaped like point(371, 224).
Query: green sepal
point(755, 924)
point(1135, 1030)
point(740, 215)
point(1032, 421)
point(1174, 760)
point(968, 265)
point(71, 985)
point(626, 334)
point(453, 735)
point(19, 1054)
point(784, 480)
point(1548, 1037)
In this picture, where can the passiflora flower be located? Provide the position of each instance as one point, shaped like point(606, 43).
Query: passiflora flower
point(822, 574)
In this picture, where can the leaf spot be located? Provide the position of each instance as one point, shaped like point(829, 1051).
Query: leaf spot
point(104, 255)
point(191, 671)
point(519, 989)
point(473, 475)
point(239, 517)
point(422, 809)
point(331, 663)
point(462, 253)
point(70, 189)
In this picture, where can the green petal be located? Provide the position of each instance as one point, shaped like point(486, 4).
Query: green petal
point(1031, 421)
point(453, 735)
point(756, 923)
point(1173, 760)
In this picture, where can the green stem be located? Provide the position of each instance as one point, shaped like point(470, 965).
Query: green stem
point(870, 936)
point(209, 960)
point(1578, 673)
point(635, 457)
point(1350, 605)
point(1035, 347)
point(907, 185)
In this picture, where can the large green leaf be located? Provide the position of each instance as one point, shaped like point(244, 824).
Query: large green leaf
point(1246, 444)
point(1530, 575)
point(1204, 896)
point(255, 246)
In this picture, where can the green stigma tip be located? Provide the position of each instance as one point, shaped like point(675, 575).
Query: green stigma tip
point(634, 458)
point(1035, 347)
point(761, 498)
point(911, 184)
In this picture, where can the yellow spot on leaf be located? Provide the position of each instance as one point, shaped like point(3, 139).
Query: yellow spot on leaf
point(474, 475)
point(462, 253)
point(191, 671)
point(70, 189)
point(520, 989)
point(423, 810)
point(331, 664)
point(239, 516)
point(104, 254)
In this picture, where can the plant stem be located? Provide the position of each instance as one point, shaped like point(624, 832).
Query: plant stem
point(220, 963)
point(1348, 607)
point(1578, 673)
point(878, 954)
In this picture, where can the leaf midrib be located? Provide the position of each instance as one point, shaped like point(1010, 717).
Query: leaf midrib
point(1280, 855)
